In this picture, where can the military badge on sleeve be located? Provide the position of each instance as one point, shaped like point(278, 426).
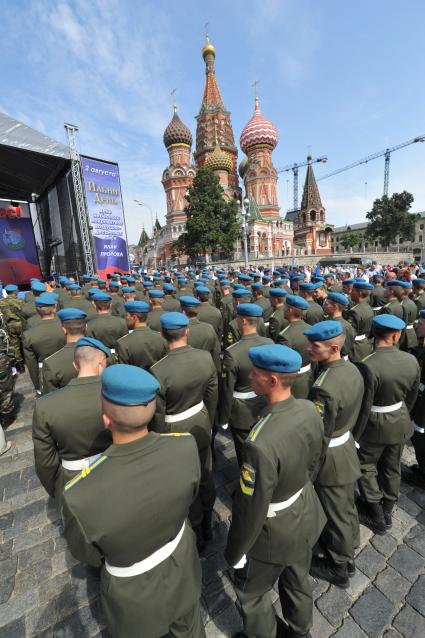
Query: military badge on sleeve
point(247, 479)
point(320, 407)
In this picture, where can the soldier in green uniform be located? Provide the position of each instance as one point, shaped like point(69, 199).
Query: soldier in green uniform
point(293, 336)
point(337, 394)
point(334, 306)
point(391, 384)
point(239, 406)
point(143, 346)
point(29, 310)
point(320, 292)
point(201, 334)
point(7, 384)
point(171, 304)
point(156, 299)
point(296, 280)
point(277, 321)
point(394, 296)
point(418, 292)
point(209, 313)
point(409, 340)
point(128, 293)
point(76, 300)
point(11, 308)
point(104, 326)
point(360, 316)
point(67, 427)
point(187, 402)
point(264, 303)
point(151, 576)
point(314, 312)
point(331, 283)
point(43, 339)
point(58, 368)
point(276, 514)
point(377, 295)
point(242, 295)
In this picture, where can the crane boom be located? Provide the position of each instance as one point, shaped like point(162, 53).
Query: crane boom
point(294, 168)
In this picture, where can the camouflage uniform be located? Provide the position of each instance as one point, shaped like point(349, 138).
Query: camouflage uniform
point(7, 380)
point(11, 309)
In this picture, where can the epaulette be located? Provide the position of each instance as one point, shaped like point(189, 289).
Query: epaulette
point(156, 362)
point(175, 434)
point(52, 355)
point(367, 357)
point(98, 460)
point(253, 435)
point(284, 330)
point(231, 345)
point(320, 379)
point(352, 307)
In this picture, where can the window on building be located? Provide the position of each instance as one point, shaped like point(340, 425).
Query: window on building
point(421, 226)
point(420, 238)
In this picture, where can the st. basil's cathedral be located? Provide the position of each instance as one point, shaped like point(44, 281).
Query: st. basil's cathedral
point(269, 235)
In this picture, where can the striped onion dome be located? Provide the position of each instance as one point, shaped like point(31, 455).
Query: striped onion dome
point(219, 161)
point(259, 130)
point(177, 132)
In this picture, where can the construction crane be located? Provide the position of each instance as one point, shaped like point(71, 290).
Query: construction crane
point(80, 198)
point(294, 168)
point(386, 154)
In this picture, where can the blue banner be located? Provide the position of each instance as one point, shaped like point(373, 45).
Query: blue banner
point(104, 202)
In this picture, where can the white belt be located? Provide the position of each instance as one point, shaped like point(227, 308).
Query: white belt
point(306, 368)
point(267, 323)
point(417, 428)
point(409, 327)
point(40, 364)
point(339, 440)
point(112, 350)
point(148, 563)
point(244, 395)
point(359, 337)
point(79, 464)
point(345, 357)
point(276, 507)
point(386, 408)
point(421, 387)
point(377, 308)
point(181, 416)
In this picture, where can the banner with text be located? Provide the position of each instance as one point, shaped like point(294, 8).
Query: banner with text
point(18, 252)
point(103, 194)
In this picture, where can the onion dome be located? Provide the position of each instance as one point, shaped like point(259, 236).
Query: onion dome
point(177, 132)
point(208, 48)
point(242, 167)
point(219, 161)
point(259, 130)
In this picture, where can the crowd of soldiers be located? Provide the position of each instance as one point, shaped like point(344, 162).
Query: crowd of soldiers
point(318, 378)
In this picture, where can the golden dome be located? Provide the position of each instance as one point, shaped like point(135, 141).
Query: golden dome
point(219, 161)
point(208, 48)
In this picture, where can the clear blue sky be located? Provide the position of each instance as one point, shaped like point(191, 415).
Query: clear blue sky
point(343, 79)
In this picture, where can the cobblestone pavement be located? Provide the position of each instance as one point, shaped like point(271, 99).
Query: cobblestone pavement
point(45, 592)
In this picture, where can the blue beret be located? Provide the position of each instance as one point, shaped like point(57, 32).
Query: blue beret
point(74, 287)
point(418, 280)
point(113, 284)
point(92, 291)
point(181, 281)
point(173, 320)
point(257, 286)
point(128, 289)
point(249, 310)
point(128, 385)
point(244, 277)
point(348, 282)
point(85, 277)
point(37, 286)
point(362, 285)
point(338, 297)
point(388, 322)
point(318, 278)
point(156, 294)
point(224, 282)
point(11, 288)
point(266, 279)
point(308, 287)
point(156, 278)
point(63, 279)
point(237, 286)
point(101, 296)
point(276, 358)
point(46, 299)
point(277, 292)
point(71, 313)
point(395, 282)
point(297, 277)
point(93, 343)
point(241, 292)
point(130, 280)
point(189, 302)
point(101, 281)
point(324, 330)
point(296, 302)
point(266, 270)
point(280, 282)
point(147, 284)
point(330, 275)
point(203, 290)
point(422, 313)
point(34, 279)
point(136, 306)
point(168, 287)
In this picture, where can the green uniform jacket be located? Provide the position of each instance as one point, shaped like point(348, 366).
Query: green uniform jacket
point(266, 306)
point(40, 342)
point(235, 334)
point(409, 340)
point(393, 307)
point(67, 424)
point(277, 322)
point(377, 298)
point(418, 412)
point(420, 301)
point(28, 310)
point(293, 336)
point(154, 319)
point(107, 329)
point(279, 454)
point(134, 501)
point(171, 304)
point(117, 307)
point(211, 315)
point(360, 317)
point(228, 313)
point(203, 337)
point(142, 347)
point(347, 348)
point(390, 376)
point(79, 302)
point(239, 413)
point(58, 369)
point(314, 313)
point(337, 394)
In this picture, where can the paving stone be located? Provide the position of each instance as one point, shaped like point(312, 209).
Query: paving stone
point(399, 529)
point(365, 536)
point(41, 618)
point(349, 629)
point(225, 624)
point(219, 600)
point(358, 584)
point(53, 586)
point(6, 588)
point(319, 587)
point(409, 505)
point(416, 596)
point(26, 540)
point(370, 562)
point(408, 562)
point(392, 584)
point(5, 550)
point(418, 496)
point(8, 567)
point(385, 545)
point(31, 515)
point(33, 577)
point(63, 561)
point(80, 624)
point(409, 623)
point(334, 605)
point(321, 628)
point(15, 629)
point(404, 517)
point(35, 554)
point(373, 612)
point(417, 540)
point(392, 633)
point(6, 520)
point(16, 607)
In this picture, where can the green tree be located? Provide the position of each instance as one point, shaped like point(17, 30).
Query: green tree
point(351, 240)
point(211, 224)
point(390, 218)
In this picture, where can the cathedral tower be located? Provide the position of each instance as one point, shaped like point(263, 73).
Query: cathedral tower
point(311, 232)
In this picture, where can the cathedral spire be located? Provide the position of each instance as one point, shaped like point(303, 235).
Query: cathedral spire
point(211, 100)
point(311, 196)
